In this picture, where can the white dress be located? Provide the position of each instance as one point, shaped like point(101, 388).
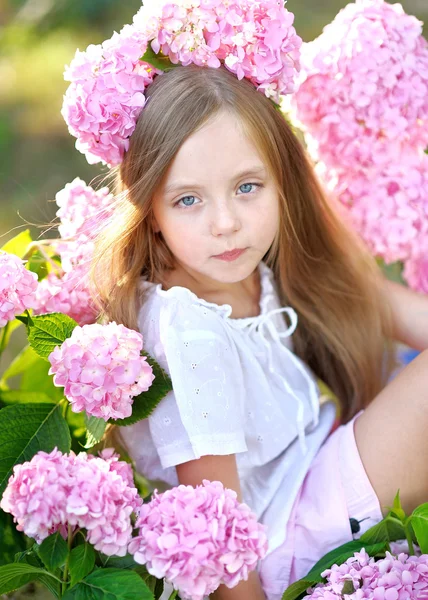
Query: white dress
point(238, 389)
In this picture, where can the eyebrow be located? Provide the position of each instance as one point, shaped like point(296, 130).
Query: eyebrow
point(179, 185)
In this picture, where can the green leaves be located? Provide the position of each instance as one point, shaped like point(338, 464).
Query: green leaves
point(15, 575)
point(114, 584)
point(419, 522)
point(336, 557)
point(19, 244)
point(158, 61)
point(48, 331)
point(389, 529)
point(53, 551)
point(297, 589)
point(40, 426)
point(94, 430)
point(395, 526)
point(11, 540)
point(82, 561)
point(341, 554)
point(145, 403)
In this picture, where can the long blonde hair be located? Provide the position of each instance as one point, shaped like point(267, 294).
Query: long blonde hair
point(320, 266)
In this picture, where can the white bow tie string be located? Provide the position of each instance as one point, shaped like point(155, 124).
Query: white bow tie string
point(264, 322)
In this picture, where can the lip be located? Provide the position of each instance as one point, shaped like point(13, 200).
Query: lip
point(231, 255)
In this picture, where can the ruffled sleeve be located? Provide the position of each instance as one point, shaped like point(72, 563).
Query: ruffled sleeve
point(204, 415)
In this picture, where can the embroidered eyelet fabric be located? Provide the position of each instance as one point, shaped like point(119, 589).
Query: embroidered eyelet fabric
point(238, 388)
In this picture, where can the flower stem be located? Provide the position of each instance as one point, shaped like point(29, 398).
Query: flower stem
point(409, 537)
point(3, 337)
point(65, 574)
point(173, 595)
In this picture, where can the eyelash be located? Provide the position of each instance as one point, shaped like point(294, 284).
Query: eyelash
point(257, 185)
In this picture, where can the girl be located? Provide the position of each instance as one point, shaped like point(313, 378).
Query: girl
point(246, 286)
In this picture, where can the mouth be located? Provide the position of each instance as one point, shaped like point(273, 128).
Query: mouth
point(231, 254)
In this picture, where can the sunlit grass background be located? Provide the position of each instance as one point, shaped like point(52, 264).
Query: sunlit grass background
point(37, 38)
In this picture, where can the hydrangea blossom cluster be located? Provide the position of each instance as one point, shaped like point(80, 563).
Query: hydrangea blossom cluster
point(416, 269)
point(54, 490)
point(198, 538)
point(392, 578)
point(68, 294)
point(365, 88)
point(17, 287)
point(82, 211)
point(106, 96)
point(101, 369)
point(388, 206)
point(363, 104)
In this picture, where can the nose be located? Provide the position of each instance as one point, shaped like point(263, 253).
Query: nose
point(225, 219)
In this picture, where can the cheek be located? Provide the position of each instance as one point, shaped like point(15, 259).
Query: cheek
point(266, 221)
point(180, 237)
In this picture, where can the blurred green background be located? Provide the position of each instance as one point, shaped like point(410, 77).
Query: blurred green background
point(39, 37)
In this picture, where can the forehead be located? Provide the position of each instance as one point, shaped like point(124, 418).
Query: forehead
point(219, 149)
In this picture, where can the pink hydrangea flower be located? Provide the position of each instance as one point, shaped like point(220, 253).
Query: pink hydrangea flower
point(388, 206)
point(54, 490)
point(101, 369)
point(416, 269)
point(17, 287)
point(363, 104)
point(198, 538)
point(82, 210)
point(365, 86)
point(106, 96)
point(392, 578)
point(68, 294)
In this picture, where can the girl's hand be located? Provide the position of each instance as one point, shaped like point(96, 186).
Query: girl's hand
point(222, 468)
point(409, 313)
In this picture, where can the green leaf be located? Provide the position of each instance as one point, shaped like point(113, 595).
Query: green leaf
point(19, 244)
point(94, 430)
point(341, 554)
point(158, 61)
point(26, 319)
point(36, 377)
point(15, 575)
point(30, 557)
point(419, 522)
point(40, 427)
point(118, 562)
point(25, 359)
point(389, 529)
point(17, 396)
point(48, 331)
point(348, 588)
point(82, 561)
point(145, 403)
point(11, 540)
point(53, 551)
point(111, 584)
point(298, 589)
point(397, 509)
point(5, 333)
point(37, 264)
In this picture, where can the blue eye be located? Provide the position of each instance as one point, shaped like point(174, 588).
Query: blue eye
point(187, 200)
point(245, 188)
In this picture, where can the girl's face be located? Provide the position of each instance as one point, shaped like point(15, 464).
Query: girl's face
point(217, 197)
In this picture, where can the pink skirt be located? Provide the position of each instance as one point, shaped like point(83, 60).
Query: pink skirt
point(335, 490)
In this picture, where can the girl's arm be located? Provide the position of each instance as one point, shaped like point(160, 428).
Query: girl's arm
point(410, 315)
point(222, 468)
